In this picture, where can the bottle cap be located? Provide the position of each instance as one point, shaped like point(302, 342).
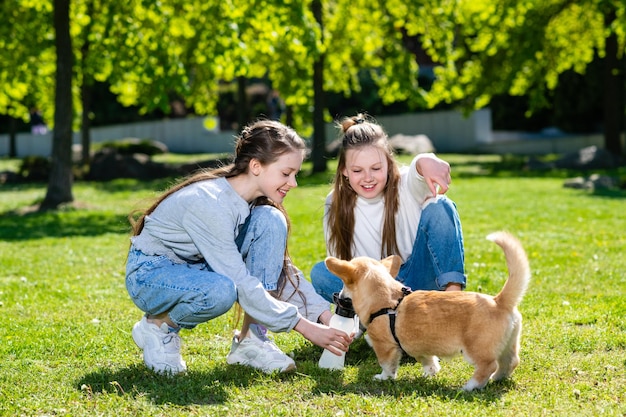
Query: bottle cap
point(343, 306)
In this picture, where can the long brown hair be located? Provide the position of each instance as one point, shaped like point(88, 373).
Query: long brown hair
point(264, 140)
point(356, 132)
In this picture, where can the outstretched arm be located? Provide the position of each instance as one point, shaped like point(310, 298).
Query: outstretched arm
point(436, 172)
point(334, 340)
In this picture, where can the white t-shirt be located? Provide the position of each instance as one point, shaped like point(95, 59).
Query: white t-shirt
point(368, 216)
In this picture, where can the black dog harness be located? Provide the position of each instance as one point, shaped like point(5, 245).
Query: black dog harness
point(391, 312)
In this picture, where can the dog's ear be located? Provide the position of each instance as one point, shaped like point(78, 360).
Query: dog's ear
point(343, 269)
point(392, 263)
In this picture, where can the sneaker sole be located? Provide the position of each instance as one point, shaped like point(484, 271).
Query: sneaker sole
point(288, 368)
point(291, 367)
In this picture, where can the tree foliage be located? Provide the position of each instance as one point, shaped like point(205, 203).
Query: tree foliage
point(189, 47)
point(27, 58)
point(184, 49)
point(490, 47)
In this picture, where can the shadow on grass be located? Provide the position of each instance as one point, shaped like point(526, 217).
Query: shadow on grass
point(215, 386)
point(14, 226)
point(138, 381)
point(191, 388)
point(608, 193)
point(404, 387)
point(75, 219)
point(511, 166)
point(112, 186)
point(362, 357)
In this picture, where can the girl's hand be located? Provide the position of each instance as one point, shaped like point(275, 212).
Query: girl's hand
point(436, 172)
point(334, 340)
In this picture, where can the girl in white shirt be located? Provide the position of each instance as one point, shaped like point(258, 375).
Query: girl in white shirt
point(377, 209)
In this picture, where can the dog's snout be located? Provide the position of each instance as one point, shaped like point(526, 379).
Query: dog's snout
point(343, 305)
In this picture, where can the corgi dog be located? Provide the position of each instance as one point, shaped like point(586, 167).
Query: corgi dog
point(426, 325)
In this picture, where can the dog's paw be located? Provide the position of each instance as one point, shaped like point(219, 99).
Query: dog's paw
point(383, 376)
point(431, 366)
point(430, 371)
point(473, 384)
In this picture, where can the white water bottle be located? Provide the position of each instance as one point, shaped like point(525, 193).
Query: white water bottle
point(346, 320)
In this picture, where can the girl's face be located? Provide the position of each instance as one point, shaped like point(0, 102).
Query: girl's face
point(366, 169)
point(277, 178)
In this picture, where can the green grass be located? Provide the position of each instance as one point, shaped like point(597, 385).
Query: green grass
point(66, 350)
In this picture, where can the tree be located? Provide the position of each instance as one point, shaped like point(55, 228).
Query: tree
point(60, 181)
point(361, 36)
point(100, 29)
point(490, 47)
point(37, 42)
point(319, 104)
point(614, 78)
point(185, 49)
point(37, 46)
point(150, 52)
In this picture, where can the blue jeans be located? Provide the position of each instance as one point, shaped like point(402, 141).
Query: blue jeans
point(193, 293)
point(437, 259)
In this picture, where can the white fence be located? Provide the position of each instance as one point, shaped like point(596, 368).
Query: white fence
point(179, 135)
point(449, 132)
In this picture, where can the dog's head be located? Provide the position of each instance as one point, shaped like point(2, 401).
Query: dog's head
point(366, 280)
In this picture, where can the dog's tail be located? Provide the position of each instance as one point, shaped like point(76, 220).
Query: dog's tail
point(519, 270)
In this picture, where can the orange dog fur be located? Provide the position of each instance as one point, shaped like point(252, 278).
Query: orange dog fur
point(486, 330)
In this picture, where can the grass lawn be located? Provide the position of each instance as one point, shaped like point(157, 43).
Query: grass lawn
point(66, 349)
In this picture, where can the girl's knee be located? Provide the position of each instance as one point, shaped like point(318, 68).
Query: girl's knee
point(442, 210)
point(318, 271)
point(227, 297)
point(216, 299)
point(202, 305)
point(324, 282)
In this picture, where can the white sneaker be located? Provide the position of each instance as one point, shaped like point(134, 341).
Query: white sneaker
point(258, 351)
point(161, 348)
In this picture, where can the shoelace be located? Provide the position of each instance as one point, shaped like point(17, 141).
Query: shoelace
point(267, 341)
point(171, 342)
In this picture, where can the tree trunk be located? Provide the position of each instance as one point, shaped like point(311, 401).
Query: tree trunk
point(318, 151)
point(613, 92)
point(289, 115)
point(86, 93)
point(242, 103)
point(60, 181)
point(12, 138)
point(85, 127)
